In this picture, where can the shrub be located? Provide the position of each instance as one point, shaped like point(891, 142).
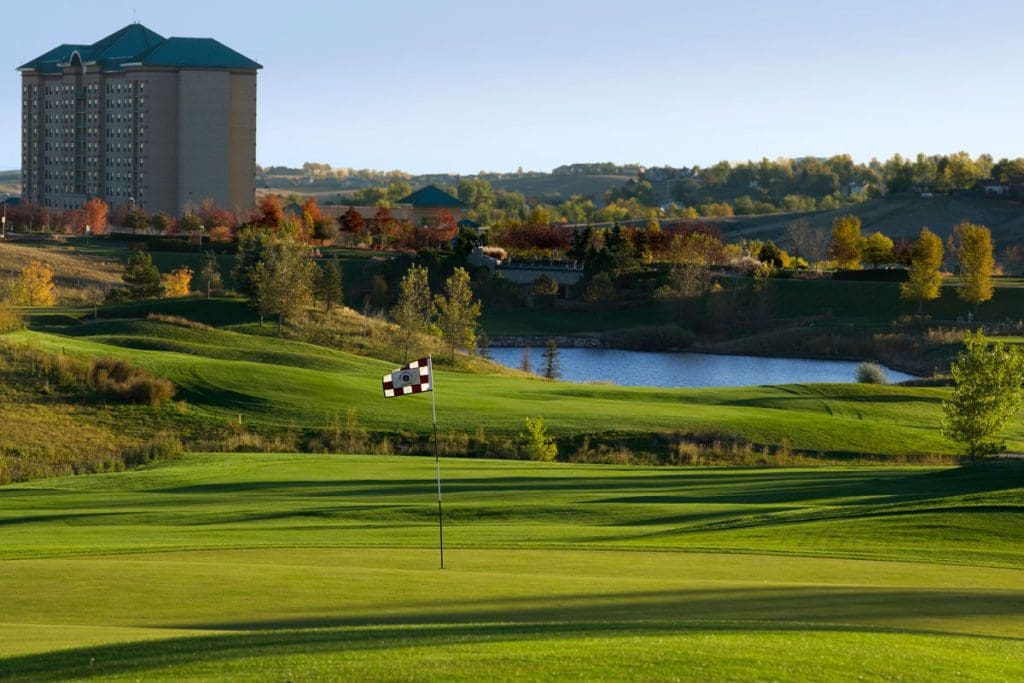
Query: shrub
point(871, 373)
point(536, 443)
point(10, 319)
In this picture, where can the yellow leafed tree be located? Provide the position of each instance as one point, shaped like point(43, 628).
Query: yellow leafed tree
point(34, 286)
point(924, 281)
point(178, 282)
point(976, 263)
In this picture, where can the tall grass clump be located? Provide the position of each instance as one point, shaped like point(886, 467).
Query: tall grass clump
point(109, 377)
point(128, 383)
point(871, 373)
point(10, 318)
point(179, 321)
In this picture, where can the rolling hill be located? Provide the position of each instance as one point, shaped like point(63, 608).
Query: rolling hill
point(895, 215)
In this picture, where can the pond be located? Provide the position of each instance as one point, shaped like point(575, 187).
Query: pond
point(675, 369)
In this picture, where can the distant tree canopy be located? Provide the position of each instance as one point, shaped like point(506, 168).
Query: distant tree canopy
point(723, 189)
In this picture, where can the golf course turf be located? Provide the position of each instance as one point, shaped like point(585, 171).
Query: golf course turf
point(299, 567)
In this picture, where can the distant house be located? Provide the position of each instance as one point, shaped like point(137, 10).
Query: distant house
point(421, 208)
point(994, 187)
point(428, 202)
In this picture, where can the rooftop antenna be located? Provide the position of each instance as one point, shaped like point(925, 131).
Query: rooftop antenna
point(135, 18)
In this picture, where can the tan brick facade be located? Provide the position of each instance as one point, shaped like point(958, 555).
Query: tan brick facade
point(160, 137)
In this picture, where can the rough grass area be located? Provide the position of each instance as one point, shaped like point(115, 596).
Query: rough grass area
point(292, 390)
point(66, 415)
point(325, 567)
point(82, 275)
point(902, 214)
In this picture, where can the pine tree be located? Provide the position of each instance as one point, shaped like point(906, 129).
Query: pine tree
point(329, 284)
point(142, 277)
point(525, 364)
point(483, 345)
point(552, 368)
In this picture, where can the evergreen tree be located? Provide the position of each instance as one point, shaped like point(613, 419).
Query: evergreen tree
point(525, 364)
point(251, 247)
point(483, 345)
point(329, 284)
point(582, 241)
point(142, 277)
point(552, 368)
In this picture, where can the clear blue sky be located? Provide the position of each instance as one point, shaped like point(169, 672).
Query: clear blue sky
point(464, 86)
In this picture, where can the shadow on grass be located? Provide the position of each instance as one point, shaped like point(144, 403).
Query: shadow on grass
point(668, 487)
point(639, 614)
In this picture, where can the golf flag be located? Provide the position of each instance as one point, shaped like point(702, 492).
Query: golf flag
point(413, 378)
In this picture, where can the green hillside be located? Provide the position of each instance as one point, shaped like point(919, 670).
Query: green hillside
point(279, 385)
point(558, 188)
point(896, 215)
point(325, 567)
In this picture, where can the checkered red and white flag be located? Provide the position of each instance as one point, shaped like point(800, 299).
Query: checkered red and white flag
point(413, 378)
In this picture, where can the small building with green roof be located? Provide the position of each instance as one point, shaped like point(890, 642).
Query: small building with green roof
point(140, 121)
point(424, 206)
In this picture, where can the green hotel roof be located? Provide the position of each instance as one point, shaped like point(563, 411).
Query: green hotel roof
point(137, 46)
point(432, 197)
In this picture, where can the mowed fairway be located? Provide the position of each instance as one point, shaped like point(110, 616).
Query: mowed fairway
point(280, 384)
point(299, 567)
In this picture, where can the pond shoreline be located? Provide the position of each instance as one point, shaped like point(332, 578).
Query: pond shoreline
point(684, 369)
point(598, 342)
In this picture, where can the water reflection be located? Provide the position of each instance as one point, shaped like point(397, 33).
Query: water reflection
point(640, 368)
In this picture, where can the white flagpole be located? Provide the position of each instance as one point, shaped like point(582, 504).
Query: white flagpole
point(437, 459)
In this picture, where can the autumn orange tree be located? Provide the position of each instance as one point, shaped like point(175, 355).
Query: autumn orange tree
point(269, 213)
point(384, 222)
point(93, 214)
point(443, 230)
point(213, 215)
point(352, 221)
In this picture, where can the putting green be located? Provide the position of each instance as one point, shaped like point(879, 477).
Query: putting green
point(324, 567)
